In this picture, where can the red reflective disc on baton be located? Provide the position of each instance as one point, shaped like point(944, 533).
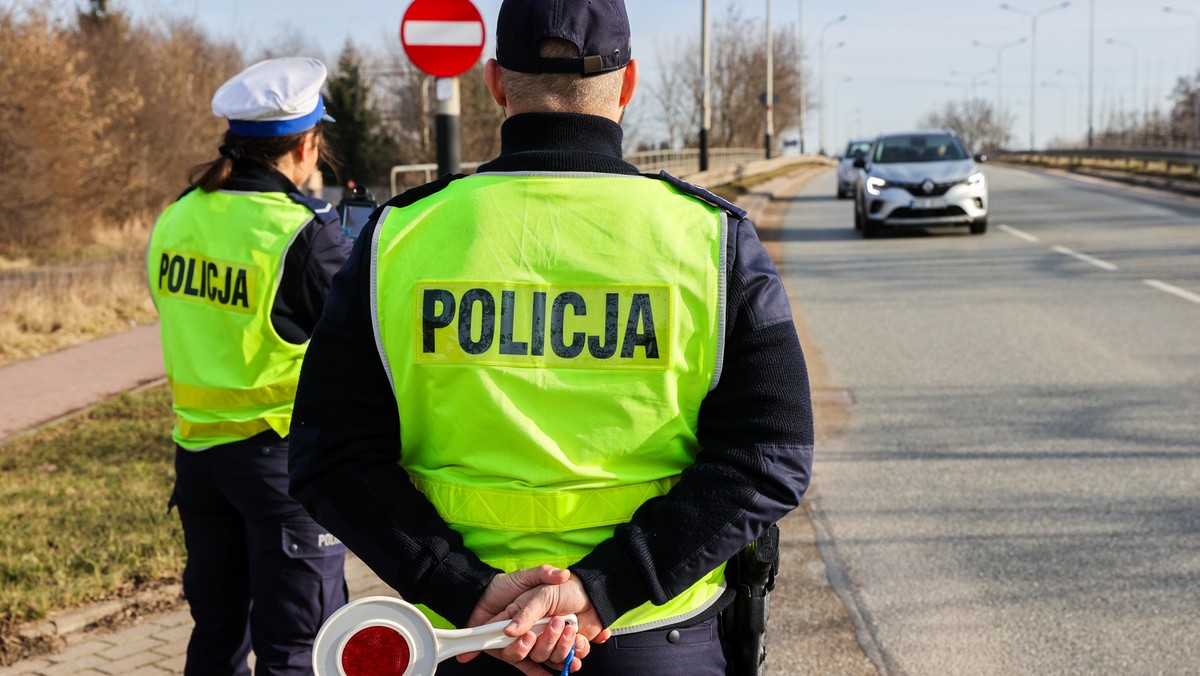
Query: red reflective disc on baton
point(375, 651)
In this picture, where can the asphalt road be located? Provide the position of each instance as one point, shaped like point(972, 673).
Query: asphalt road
point(1017, 489)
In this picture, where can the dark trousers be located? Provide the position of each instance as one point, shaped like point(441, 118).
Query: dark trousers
point(692, 651)
point(260, 572)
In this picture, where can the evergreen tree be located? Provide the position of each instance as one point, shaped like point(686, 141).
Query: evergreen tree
point(353, 137)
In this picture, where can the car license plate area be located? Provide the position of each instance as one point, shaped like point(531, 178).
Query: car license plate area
point(927, 203)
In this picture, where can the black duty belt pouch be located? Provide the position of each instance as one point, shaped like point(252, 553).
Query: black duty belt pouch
point(744, 623)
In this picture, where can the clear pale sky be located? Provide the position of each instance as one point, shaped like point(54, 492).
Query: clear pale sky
point(895, 64)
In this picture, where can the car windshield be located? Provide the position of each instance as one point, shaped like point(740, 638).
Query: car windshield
point(855, 148)
point(919, 148)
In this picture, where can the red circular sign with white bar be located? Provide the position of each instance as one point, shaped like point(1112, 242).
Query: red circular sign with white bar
point(443, 37)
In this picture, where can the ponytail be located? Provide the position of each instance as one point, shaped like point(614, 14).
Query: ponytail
point(212, 176)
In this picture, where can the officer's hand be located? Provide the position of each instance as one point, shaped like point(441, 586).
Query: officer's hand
point(559, 599)
point(531, 653)
point(529, 649)
point(506, 587)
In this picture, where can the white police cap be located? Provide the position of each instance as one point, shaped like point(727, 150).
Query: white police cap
point(276, 97)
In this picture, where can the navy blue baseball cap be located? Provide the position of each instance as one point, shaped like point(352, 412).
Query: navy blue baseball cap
point(599, 28)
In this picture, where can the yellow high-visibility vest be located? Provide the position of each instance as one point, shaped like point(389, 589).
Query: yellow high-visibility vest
point(214, 265)
point(550, 340)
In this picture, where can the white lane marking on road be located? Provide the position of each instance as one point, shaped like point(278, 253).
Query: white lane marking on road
point(1019, 234)
point(1103, 265)
point(1173, 290)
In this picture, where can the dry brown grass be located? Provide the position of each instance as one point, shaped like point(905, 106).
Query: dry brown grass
point(50, 307)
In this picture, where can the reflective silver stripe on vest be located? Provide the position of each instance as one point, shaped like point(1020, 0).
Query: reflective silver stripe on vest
point(387, 366)
point(722, 291)
point(674, 619)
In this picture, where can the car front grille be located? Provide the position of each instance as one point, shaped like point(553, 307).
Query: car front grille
point(917, 190)
point(946, 212)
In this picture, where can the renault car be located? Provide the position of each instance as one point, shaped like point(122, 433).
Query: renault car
point(920, 180)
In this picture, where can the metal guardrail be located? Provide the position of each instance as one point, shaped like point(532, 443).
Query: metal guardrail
point(678, 162)
point(1162, 162)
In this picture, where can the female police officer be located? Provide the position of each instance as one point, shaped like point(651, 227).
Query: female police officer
point(239, 268)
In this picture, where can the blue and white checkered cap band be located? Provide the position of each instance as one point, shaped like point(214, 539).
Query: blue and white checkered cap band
point(276, 97)
point(266, 128)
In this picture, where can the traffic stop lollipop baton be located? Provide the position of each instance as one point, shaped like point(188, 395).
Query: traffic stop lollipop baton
point(385, 636)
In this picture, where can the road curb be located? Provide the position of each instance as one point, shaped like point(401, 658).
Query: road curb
point(78, 619)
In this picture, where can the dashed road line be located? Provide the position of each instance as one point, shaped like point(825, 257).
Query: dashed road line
point(1103, 265)
point(1173, 290)
point(1019, 234)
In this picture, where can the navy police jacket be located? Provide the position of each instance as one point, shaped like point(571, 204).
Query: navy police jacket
point(755, 427)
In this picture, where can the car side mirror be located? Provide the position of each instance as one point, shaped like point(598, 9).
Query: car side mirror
point(860, 163)
point(981, 158)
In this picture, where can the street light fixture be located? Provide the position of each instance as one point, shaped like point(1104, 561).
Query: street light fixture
point(1195, 88)
point(999, 49)
point(973, 77)
point(821, 49)
point(1033, 19)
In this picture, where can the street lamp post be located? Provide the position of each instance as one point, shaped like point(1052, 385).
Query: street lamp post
point(1192, 79)
point(821, 49)
point(973, 77)
point(770, 97)
point(803, 76)
point(705, 86)
point(1133, 100)
point(999, 49)
point(1033, 19)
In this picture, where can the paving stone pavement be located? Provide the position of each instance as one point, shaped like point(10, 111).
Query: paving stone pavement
point(156, 645)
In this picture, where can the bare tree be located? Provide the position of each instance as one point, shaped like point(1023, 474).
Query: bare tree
point(975, 121)
point(738, 84)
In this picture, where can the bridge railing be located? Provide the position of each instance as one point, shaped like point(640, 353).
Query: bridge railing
point(1158, 163)
point(678, 162)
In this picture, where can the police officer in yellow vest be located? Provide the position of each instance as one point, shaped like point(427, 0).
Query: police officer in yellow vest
point(239, 268)
point(557, 385)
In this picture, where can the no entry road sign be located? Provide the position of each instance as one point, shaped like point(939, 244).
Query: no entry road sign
point(442, 37)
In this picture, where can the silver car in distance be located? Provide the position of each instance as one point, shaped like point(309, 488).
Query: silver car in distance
point(919, 180)
point(847, 175)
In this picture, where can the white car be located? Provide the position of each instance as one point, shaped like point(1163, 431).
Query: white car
point(847, 175)
point(920, 179)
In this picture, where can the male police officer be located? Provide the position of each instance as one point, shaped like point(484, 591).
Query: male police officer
point(558, 361)
point(239, 268)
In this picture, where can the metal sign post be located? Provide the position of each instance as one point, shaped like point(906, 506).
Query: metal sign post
point(449, 110)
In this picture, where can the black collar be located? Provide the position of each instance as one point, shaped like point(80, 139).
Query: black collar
point(250, 176)
point(566, 142)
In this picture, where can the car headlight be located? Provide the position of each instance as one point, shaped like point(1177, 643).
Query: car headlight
point(875, 185)
point(975, 180)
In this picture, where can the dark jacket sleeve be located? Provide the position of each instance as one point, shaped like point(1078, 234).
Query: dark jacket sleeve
point(345, 452)
point(755, 459)
point(312, 260)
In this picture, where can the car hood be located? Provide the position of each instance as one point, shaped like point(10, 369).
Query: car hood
point(916, 172)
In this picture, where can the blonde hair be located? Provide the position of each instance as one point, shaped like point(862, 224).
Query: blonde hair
point(563, 92)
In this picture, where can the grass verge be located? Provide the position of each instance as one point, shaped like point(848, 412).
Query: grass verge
point(85, 503)
point(51, 306)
